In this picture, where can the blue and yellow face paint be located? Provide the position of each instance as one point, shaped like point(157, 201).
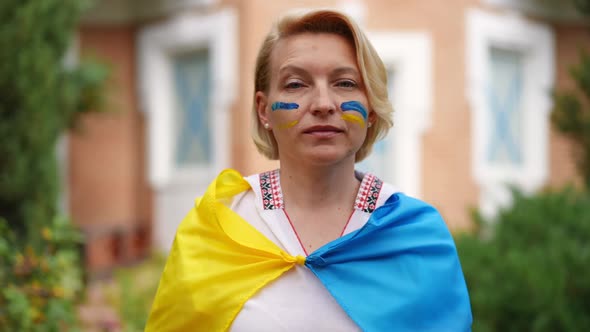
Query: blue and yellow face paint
point(288, 125)
point(279, 105)
point(360, 117)
point(353, 118)
point(355, 106)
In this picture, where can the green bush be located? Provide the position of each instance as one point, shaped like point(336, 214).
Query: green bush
point(40, 97)
point(530, 269)
point(40, 284)
point(133, 290)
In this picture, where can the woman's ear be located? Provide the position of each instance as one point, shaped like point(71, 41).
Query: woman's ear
point(262, 109)
point(372, 118)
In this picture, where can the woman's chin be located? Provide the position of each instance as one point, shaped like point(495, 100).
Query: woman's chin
point(326, 156)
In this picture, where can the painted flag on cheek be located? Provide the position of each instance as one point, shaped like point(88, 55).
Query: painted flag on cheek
point(399, 272)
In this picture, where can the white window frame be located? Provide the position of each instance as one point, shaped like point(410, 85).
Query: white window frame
point(158, 44)
point(62, 151)
point(535, 41)
point(410, 55)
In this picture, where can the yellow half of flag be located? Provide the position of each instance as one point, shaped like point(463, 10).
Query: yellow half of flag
point(217, 262)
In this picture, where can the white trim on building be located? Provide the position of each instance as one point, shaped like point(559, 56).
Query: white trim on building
point(158, 44)
point(409, 55)
point(535, 42)
point(70, 61)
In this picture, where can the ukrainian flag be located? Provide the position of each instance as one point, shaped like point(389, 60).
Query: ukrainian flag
point(402, 263)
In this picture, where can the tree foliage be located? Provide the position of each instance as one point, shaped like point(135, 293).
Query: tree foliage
point(583, 6)
point(40, 97)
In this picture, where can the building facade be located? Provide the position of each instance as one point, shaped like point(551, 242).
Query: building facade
point(470, 81)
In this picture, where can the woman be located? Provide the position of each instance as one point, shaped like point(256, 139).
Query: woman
point(314, 246)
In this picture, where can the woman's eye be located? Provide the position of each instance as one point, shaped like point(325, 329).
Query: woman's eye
point(294, 85)
point(346, 84)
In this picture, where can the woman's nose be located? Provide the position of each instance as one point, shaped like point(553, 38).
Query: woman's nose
point(323, 101)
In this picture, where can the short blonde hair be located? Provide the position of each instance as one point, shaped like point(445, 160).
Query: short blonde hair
point(370, 65)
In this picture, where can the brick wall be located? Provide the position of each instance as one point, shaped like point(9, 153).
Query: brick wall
point(568, 42)
point(109, 197)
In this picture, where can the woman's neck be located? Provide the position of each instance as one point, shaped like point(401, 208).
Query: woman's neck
point(314, 186)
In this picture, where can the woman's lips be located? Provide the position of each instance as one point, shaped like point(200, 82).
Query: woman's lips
point(323, 131)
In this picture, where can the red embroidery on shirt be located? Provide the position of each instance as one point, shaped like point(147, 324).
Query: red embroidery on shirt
point(272, 196)
point(270, 187)
point(366, 199)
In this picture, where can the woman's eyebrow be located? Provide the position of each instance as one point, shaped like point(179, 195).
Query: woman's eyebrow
point(345, 70)
point(292, 69)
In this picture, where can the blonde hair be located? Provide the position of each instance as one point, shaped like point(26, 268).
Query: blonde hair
point(370, 65)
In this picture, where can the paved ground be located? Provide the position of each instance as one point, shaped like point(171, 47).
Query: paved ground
point(96, 315)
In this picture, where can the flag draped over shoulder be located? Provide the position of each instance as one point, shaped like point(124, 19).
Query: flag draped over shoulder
point(217, 262)
point(399, 272)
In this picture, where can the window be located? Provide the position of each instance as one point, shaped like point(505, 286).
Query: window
point(187, 70)
point(505, 143)
point(192, 86)
point(379, 162)
point(408, 59)
point(509, 78)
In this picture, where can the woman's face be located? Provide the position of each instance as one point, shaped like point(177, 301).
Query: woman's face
point(316, 105)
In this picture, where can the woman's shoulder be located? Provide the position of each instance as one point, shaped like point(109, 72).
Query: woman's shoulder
point(394, 202)
point(411, 213)
point(389, 191)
